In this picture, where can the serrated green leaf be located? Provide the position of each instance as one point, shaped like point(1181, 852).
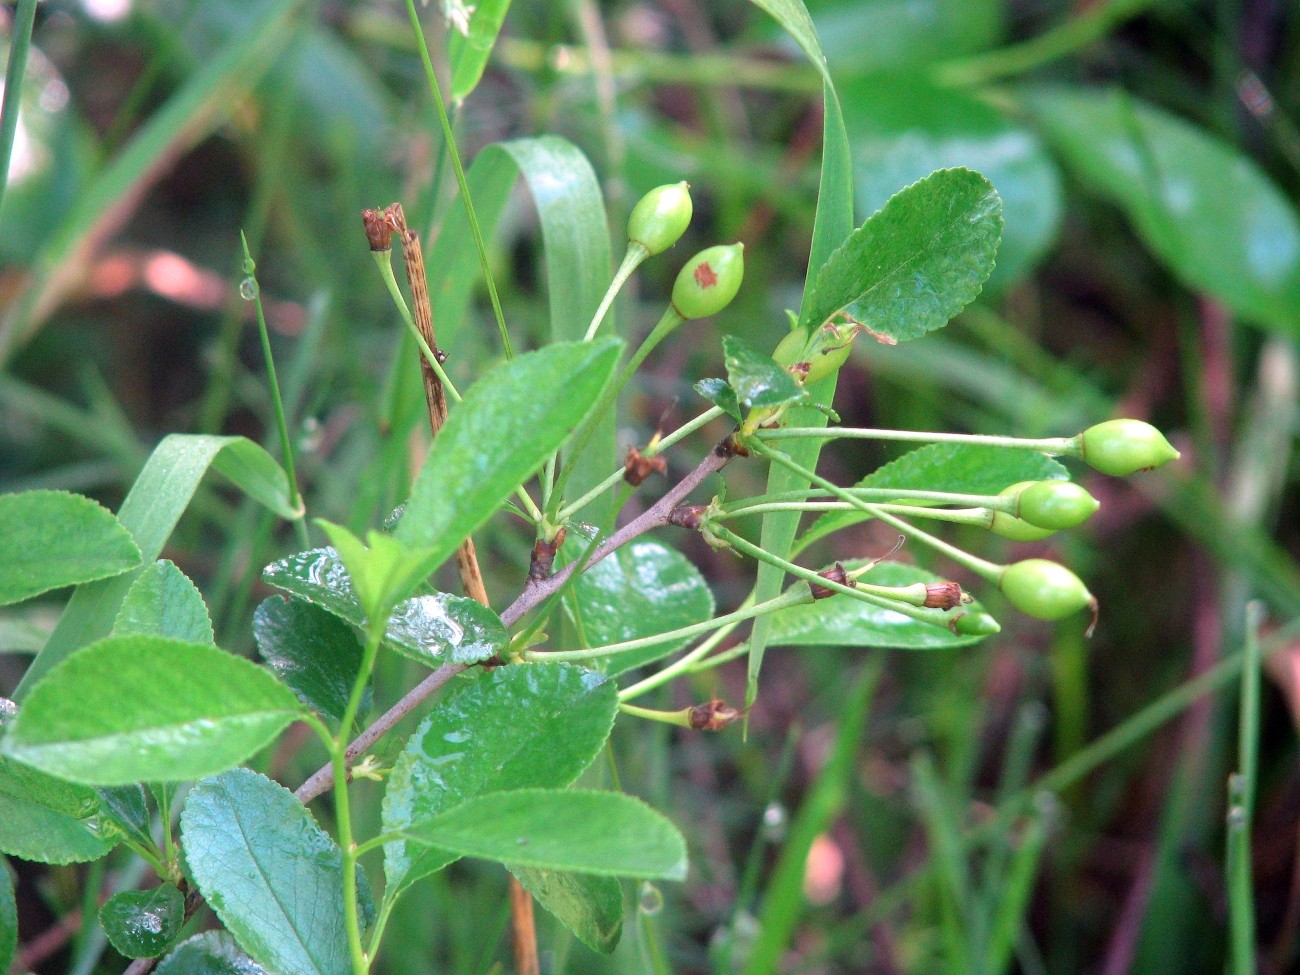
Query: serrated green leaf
point(50, 539)
point(756, 378)
point(159, 496)
point(841, 621)
point(126, 808)
point(381, 569)
point(1202, 206)
point(916, 262)
point(8, 918)
point(498, 436)
point(191, 710)
point(313, 652)
point(904, 128)
point(717, 392)
point(642, 589)
point(590, 906)
point(520, 726)
point(142, 923)
point(47, 820)
point(605, 833)
point(209, 953)
point(164, 602)
point(435, 628)
point(954, 467)
point(271, 874)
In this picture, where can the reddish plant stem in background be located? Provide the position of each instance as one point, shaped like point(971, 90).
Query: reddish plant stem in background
point(1122, 946)
point(47, 942)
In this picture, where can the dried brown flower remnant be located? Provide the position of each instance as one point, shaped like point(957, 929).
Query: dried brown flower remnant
point(835, 573)
point(714, 715)
point(379, 232)
point(688, 516)
point(943, 595)
point(638, 466)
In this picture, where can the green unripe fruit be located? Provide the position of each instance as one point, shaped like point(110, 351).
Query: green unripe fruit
point(1043, 589)
point(1120, 447)
point(827, 360)
point(1056, 504)
point(828, 350)
point(1017, 529)
point(660, 217)
point(709, 281)
point(976, 624)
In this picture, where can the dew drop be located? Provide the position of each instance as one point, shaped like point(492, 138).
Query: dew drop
point(650, 901)
point(248, 289)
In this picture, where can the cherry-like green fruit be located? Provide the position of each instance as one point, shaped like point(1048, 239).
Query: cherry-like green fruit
point(660, 217)
point(1120, 447)
point(709, 281)
point(1043, 589)
point(1017, 529)
point(976, 624)
point(1056, 504)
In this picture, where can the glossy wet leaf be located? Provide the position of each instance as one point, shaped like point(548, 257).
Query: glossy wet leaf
point(209, 953)
point(8, 918)
point(313, 652)
point(48, 820)
point(903, 129)
point(1203, 207)
point(842, 621)
point(955, 467)
point(917, 261)
point(159, 496)
point(756, 378)
point(142, 923)
point(642, 589)
point(381, 569)
point(270, 873)
point(434, 629)
point(717, 392)
point(498, 436)
point(51, 539)
point(589, 905)
point(145, 708)
point(515, 727)
point(126, 808)
point(163, 602)
point(605, 833)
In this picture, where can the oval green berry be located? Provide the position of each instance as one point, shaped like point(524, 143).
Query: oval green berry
point(709, 281)
point(1043, 589)
point(1056, 504)
point(660, 217)
point(1017, 529)
point(1120, 447)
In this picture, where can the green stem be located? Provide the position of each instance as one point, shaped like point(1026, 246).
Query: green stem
point(886, 597)
point(282, 427)
point(636, 253)
point(679, 718)
point(342, 807)
point(1048, 445)
point(995, 502)
point(19, 44)
point(474, 229)
point(791, 597)
point(962, 516)
point(981, 567)
point(1241, 803)
point(685, 430)
point(683, 664)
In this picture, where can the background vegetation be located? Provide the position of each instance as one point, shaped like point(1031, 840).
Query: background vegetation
point(1040, 801)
